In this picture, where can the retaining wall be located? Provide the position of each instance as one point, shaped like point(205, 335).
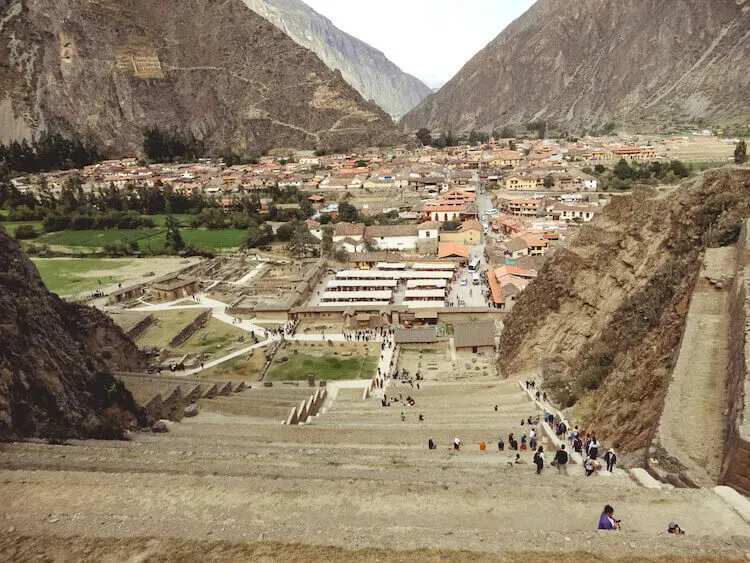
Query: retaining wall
point(190, 329)
point(736, 466)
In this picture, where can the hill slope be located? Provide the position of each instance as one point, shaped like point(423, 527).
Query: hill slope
point(603, 321)
point(54, 361)
point(105, 70)
point(645, 64)
point(368, 70)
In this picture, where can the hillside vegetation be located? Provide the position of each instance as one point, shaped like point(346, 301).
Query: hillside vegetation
point(603, 321)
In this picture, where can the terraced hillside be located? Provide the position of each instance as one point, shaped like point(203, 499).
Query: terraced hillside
point(357, 478)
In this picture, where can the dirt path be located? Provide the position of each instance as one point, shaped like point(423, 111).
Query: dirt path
point(691, 427)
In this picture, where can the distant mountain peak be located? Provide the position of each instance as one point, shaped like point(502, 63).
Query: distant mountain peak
point(365, 68)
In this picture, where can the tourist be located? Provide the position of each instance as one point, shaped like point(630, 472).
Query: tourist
point(431, 444)
point(482, 446)
point(539, 459)
point(501, 445)
point(561, 460)
point(421, 418)
point(495, 408)
point(588, 467)
point(674, 528)
point(532, 439)
point(610, 459)
point(593, 448)
point(456, 444)
point(523, 441)
point(403, 417)
point(607, 519)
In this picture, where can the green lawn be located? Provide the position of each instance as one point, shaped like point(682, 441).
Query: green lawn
point(213, 240)
point(93, 240)
point(69, 276)
point(326, 367)
point(183, 220)
point(150, 241)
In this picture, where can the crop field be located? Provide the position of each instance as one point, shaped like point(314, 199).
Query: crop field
point(150, 241)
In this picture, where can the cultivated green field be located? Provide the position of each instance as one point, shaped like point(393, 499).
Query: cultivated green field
point(69, 277)
point(326, 367)
point(150, 241)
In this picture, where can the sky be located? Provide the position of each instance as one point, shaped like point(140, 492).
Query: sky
point(430, 39)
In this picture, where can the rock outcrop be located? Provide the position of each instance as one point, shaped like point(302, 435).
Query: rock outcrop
point(106, 70)
point(648, 65)
point(603, 322)
point(56, 359)
point(368, 70)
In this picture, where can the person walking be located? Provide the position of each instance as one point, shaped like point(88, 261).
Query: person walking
point(561, 460)
point(539, 459)
point(593, 448)
point(610, 459)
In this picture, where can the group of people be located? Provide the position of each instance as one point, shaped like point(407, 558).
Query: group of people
point(367, 334)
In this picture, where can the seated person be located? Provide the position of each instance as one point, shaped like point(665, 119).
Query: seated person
point(674, 528)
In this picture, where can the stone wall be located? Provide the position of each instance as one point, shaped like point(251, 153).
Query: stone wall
point(190, 329)
point(736, 466)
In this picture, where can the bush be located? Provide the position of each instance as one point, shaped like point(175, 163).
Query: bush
point(25, 232)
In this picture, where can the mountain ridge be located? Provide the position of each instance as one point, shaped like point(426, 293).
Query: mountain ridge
point(364, 67)
point(104, 71)
point(572, 63)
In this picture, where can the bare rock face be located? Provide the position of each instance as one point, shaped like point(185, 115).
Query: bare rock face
point(55, 360)
point(603, 321)
point(648, 65)
point(106, 70)
point(368, 70)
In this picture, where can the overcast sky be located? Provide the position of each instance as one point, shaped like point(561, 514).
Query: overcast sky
point(431, 39)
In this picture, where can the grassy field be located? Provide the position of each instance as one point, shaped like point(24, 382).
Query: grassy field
point(68, 277)
point(215, 338)
point(325, 367)
point(150, 241)
point(239, 368)
point(168, 325)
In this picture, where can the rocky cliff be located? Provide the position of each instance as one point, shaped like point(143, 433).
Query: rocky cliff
point(105, 70)
point(648, 65)
point(368, 70)
point(603, 321)
point(55, 359)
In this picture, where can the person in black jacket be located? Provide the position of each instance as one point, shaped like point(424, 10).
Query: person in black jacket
point(561, 460)
point(610, 459)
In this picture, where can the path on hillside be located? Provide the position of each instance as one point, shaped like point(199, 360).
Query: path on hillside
point(692, 423)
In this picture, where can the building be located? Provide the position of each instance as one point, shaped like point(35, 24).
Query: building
point(470, 233)
point(392, 237)
point(454, 250)
point(173, 287)
point(521, 207)
point(475, 337)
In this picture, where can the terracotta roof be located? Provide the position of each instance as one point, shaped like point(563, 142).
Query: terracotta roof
point(471, 225)
point(344, 229)
point(515, 245)
point(429, 225)
point(453, 249)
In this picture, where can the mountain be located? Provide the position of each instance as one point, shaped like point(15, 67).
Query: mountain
point(643, 64)
point(55, 361)
point(603, 321)
point(105, 70)
point(365, 68)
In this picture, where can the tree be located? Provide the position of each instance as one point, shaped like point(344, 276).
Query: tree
point(622, 170)
point(284, 232)
point(549, 182)
point(25, 232)
point(512, 145)
point(326, 245)
point(451, 226)
point(302, 243)
point(424, 136)
point(257, 236)
point(348, 213)
point(173, 239)
point(740, 152)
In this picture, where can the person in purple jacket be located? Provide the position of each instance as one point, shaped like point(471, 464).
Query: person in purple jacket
point(607, 519)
